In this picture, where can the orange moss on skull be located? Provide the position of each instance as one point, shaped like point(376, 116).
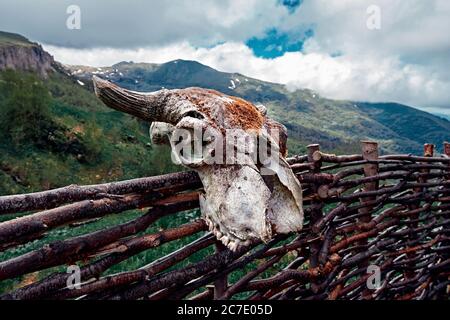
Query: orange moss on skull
point(240, 114)
point(244, 115)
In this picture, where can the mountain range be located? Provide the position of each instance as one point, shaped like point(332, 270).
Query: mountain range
point(82, 141)
point(309, 117)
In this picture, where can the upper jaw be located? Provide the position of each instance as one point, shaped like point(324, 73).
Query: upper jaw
point(234, 204)
point(239, 207)
point(226, 237)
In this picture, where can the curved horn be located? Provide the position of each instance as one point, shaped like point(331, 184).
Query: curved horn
point(146, 106)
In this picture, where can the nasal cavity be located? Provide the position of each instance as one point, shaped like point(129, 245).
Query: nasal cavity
point(269, 181)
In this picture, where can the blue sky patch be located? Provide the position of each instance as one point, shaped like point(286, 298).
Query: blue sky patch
point(275, 44)
point(291, 5)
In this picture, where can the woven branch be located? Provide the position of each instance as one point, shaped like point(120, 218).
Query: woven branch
point(390, 211)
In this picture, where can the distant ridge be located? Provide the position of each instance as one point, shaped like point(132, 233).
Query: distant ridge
point(441, 115)
point(310, 118)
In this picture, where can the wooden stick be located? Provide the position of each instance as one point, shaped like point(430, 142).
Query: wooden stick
point(73, 193)
point(76, 248)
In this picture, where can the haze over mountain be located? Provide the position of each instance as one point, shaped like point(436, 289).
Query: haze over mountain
point(56, 132)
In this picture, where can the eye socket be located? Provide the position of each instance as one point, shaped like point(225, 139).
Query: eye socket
point(247, 230)
point(194, 114)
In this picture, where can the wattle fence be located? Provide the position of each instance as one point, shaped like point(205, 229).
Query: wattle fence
point(376, 227)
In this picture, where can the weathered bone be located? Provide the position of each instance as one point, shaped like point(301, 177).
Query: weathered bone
point(240, 202)
point(153, 106)
point(160, 132)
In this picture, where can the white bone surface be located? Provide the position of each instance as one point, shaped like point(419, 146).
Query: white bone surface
point(240, 203)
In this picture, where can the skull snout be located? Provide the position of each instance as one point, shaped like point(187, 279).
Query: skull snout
point(235, 203)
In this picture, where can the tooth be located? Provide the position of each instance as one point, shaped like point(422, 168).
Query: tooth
point(233, 246)
point(217, 234)
point(247, 243)
point(225, 240)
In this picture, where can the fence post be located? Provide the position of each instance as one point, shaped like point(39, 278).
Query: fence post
point(221, 284)
point(428, 151)
point(316, 210)
point(370, 153)
point(447, 148)
point(447, 153)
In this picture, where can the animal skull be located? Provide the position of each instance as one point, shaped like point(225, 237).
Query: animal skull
point(253, 198)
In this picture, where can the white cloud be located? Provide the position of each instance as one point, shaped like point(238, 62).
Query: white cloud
point(138, 23)
point(367, 78)
point(406, 61)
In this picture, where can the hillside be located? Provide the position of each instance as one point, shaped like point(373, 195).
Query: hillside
point(55, 132)
point(443, 116)
point(337, 125)
point(13, 39)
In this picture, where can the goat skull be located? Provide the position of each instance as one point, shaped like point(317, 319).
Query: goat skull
point(240, 203)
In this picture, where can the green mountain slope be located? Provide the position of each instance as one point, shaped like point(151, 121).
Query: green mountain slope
point(418, 126)
point(55, 132)
point(77, 141)
point(337, 125)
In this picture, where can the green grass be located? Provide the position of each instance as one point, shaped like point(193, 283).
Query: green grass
point(88, 143)
point(13, 39)
point(132, 263)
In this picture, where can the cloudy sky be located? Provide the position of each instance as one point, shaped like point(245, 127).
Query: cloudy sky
point(374, 50)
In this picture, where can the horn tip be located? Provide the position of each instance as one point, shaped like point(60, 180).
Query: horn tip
point(99, 84)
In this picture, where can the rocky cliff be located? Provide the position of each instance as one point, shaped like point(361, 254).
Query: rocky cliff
point(18, 53)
